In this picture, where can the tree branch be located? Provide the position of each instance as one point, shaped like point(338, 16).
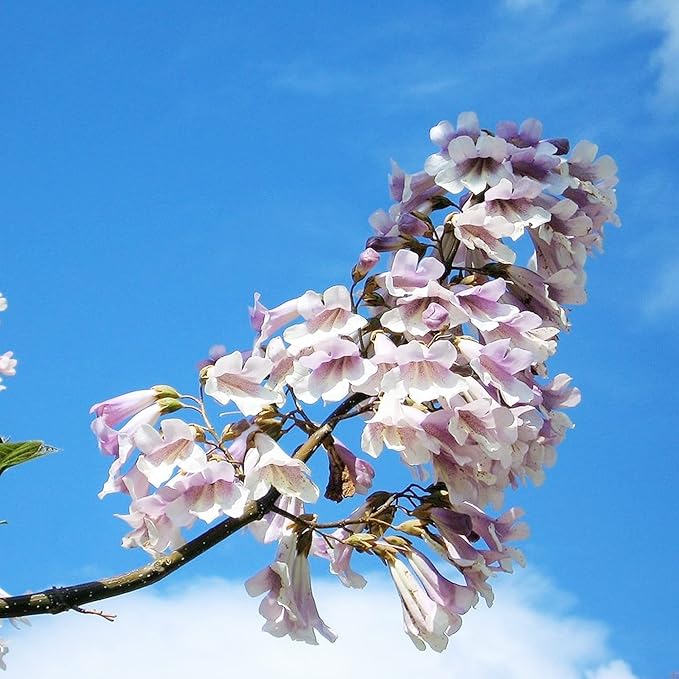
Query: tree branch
point(60, 599)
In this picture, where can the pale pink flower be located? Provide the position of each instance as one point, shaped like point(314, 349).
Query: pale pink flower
point(488, 424)
point(327, 316)
point(339, 554)
point(515, 203)
point(334, 368)
point(414, 311)
point(229, 379)
point(367, 261)
point(115, 410)
point(274, 526)
point(408, 272)
point(206, 494)
point(152, 529)
point(120, 444)
point(526, 135)
point(497, 365)
point(561, 264)
point(423, 372)
point(526, 331)
point(566, 218)
point(267, 465)
point(482, 305)
point(476, 229)
point(530, 289)
point(456, 600)
point(559, 393)
point(162, 453)
point(425, 621)
point(399, 427)
point(267, 321)
point(382, 355)
point(289, 607)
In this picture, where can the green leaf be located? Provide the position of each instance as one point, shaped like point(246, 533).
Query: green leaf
point(13, 453)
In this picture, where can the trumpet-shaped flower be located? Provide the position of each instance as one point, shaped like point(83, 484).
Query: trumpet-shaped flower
point(289, 606)
point(231, 379)
point(267, 465)
point(162, 453)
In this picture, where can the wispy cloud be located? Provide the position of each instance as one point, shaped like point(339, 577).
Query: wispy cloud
point(308, 79)
point(212, 629)
point(523, 5)
point(664, 16)
point(664, 298)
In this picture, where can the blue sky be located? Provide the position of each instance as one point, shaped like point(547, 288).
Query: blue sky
point(162, 161)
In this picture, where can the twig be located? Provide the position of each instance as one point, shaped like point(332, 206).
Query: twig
point(60, 599)
point(110, 617)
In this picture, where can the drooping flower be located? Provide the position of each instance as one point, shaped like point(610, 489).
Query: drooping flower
point(274, 526)
point(289, 606)
point(425, 621)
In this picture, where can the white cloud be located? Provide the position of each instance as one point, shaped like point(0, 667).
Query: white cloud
point(616, 669)
point(663, 14)
point(212, 629)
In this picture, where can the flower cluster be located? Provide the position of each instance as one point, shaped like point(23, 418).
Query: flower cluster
point(442, 352)
point(7, 362)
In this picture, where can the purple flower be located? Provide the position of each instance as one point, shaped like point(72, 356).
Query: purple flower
point(472, 165)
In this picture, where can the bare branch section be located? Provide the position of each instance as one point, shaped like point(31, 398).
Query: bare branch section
point(60, 599)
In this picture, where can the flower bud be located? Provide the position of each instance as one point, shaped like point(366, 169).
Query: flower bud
point(169, 405)
point(398, 541)
point(165, 391)
point(269, 421)
point(366, 261)
point(360, 541)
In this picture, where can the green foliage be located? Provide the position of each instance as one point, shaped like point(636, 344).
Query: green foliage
point(13, 453)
